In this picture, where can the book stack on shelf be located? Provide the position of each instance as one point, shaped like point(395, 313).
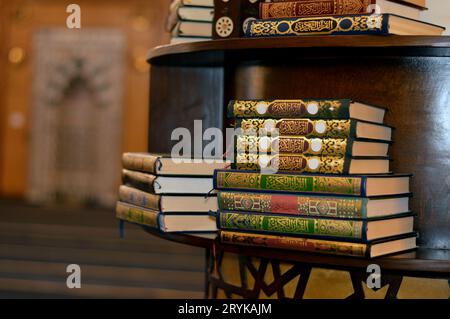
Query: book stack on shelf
point(322, 17)
point(190, 20)
point(301, 17)
point(333, 191)
point(167, 194)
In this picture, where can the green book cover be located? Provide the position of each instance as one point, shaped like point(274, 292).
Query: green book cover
point(288, 225)
point(286, 182)
point(138, 215)
point(304, 108)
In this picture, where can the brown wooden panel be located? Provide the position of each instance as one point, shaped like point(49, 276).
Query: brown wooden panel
point(142, 23)
point(206, 51)
point(180, 95)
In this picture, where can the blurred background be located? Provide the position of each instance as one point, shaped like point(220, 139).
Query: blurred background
point(71, 101)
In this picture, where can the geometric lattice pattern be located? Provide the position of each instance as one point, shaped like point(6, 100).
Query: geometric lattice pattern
point(256, 279)
point(235, 276)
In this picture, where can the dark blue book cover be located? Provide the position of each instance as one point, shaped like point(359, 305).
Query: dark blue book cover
point(354, 24)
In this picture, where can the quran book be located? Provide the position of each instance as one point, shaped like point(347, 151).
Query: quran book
point(310, 146)
point(167, 203)
point(282, 182)
point(315, 128)
point(199, 3)
point(189, 11)
point(165, 222)
point(305, 8)
point(369, 250)
point(192, 29)
point(312, 164)
point(137, 215)
point(313, 205)
point(163, 165)
point(343, 229)
point(412, 3)
point(196, 14)
point(382, 24)
point(306, 108)
point(167, 184)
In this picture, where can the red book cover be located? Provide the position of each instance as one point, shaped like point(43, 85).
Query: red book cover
point(312, 8)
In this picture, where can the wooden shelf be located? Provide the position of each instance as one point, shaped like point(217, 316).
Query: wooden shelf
point(217, 51)
point(410, 75)
point(422, 262)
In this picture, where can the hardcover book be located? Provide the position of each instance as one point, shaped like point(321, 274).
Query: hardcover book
point(315, 128)
point(306, 108)
point(368, 250)
point(310, 146)
point(412, 3)
point(341, 229)
point(168, 203)
point(198, 3)
point(312, 164)
point(383, 24)
point(192, 29)
point(195, 14)
point(195, 10)
point(165, 222)
point(313, 205)
point(365, 186)
point(134, 214)
point(167, 184)
point(230, 16)
point(156, 164)
point(305, 8)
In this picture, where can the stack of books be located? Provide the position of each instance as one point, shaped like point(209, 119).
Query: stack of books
point(320, 17)
point(330, 189)
point(190, 20)
point(172, 195)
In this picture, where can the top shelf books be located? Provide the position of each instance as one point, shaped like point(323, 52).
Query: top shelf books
point(315, 17)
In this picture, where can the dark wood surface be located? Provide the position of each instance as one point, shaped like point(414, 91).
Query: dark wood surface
point(409, 75)
point(181, 95)
point(422, 262)
point(218, 51)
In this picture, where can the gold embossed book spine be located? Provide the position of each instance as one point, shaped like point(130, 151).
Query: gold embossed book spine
point(305, 8)
point(298, 127)
point(297, 205)
point(139, 198)
point(293, 145)
point(352, 230)
point(295, 243)
point(294, 162)
point(304, 108)
point(290, 183)
point(339, 25)
point(230, 16)
point(142, 181)
point(140, 162)
point(137, 215)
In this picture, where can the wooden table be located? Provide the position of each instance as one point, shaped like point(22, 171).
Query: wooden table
point(420, 263)
point(408, 74)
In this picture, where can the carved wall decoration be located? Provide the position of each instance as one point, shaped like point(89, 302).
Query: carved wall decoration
point(76, 115)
